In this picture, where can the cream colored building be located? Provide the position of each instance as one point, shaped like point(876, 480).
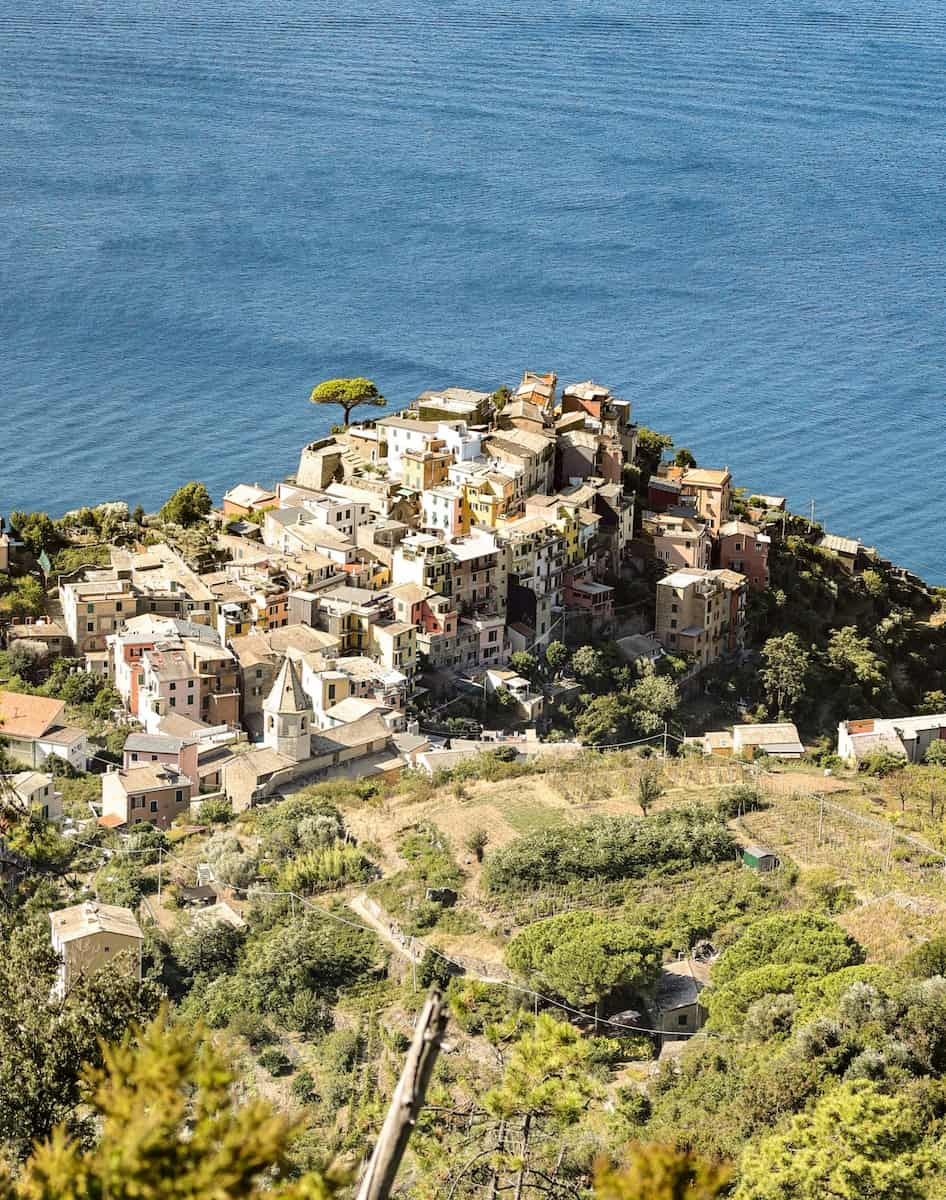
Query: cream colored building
point(88, 936)
point(701, 613)
point(37, 790)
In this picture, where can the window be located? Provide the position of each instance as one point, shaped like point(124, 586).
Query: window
point(683, 1019)
point(179, 795)
point(118, 606)
point(90, 626)
point(492, 635)
point(134, 756)
point(90, 608)
point(173, 687)
point(154, 757)
point(173, 702)
point(190, 699)
point(673, 624)
point(190, 683)
point(154, 806)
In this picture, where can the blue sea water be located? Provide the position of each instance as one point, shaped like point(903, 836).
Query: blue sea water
point(731, 213)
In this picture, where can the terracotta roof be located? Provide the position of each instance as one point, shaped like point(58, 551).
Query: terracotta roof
point(28, 716)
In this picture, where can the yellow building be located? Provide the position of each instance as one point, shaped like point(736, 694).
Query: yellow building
point(88, 936)
point(422, 469)
point(394, 645)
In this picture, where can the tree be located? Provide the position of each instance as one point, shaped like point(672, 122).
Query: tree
point(605, 720)
point(25, 598)
point(857, 1144)
point(188, 505)
point(653, 699)
point(169, 1124)
point(36, 530)
point(785, 672)
point(348, 394)
point(801, 937)
point(728, 1004)
point(649, 787)
point(932, 702)
point(524, 663)
point(556, 658)
point(545, 1089)
point(587, 663)
point(684, 458)
point(650, 448)
point(501, 397)
point(655, 1172)
point(208, 948)
point(851, 655)
point(44, 1040)
point(584, 957)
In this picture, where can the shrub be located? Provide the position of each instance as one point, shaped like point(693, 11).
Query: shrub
point(433, 968)
point(881, 763)
point(820, 997)
point(275, 1061)
point(325, 868)
point(476, 843)
point(927, 959)
point(805, 938)
point(304, 1089)
point(307, 1014)
point(216, 811)
point(744, 798)
point(611, 848)
point(729, 1004)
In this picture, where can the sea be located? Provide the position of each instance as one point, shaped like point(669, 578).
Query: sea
point(731, 213)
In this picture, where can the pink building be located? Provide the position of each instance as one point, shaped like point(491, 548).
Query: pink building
point(143, 748)
point(679, 541)
point(597, 599)
point(744, 549)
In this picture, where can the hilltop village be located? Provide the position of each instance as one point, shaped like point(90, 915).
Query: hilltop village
point(414, 559)
point(506, 694)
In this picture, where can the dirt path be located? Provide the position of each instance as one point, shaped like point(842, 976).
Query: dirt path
point(406, 947)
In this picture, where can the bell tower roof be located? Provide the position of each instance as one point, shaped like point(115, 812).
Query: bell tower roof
point(287, 695)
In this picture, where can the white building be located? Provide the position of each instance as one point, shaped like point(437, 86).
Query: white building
point(37, 790)
point(404, 434)
point(464, 444)
point(906, 737)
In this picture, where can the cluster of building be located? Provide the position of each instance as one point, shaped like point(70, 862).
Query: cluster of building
point(406, 554)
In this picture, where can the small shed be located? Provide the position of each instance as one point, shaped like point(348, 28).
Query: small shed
point(760, 858)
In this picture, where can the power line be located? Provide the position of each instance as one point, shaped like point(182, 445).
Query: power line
point(510, 986)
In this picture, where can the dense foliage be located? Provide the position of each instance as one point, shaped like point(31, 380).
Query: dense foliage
point(610, 848)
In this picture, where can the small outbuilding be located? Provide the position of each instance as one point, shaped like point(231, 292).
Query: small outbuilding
point(760, 858)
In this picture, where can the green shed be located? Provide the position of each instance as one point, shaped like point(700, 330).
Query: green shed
point(759, 858)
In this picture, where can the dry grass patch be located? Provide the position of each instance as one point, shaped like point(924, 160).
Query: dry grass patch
point(892, 925)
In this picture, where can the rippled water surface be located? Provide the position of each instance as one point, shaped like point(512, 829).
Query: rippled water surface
point(731, 213)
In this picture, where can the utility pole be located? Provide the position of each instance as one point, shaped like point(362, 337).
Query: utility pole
point(407, 1101)
point(665, 739)
point(821, 820)
point(811, 519)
